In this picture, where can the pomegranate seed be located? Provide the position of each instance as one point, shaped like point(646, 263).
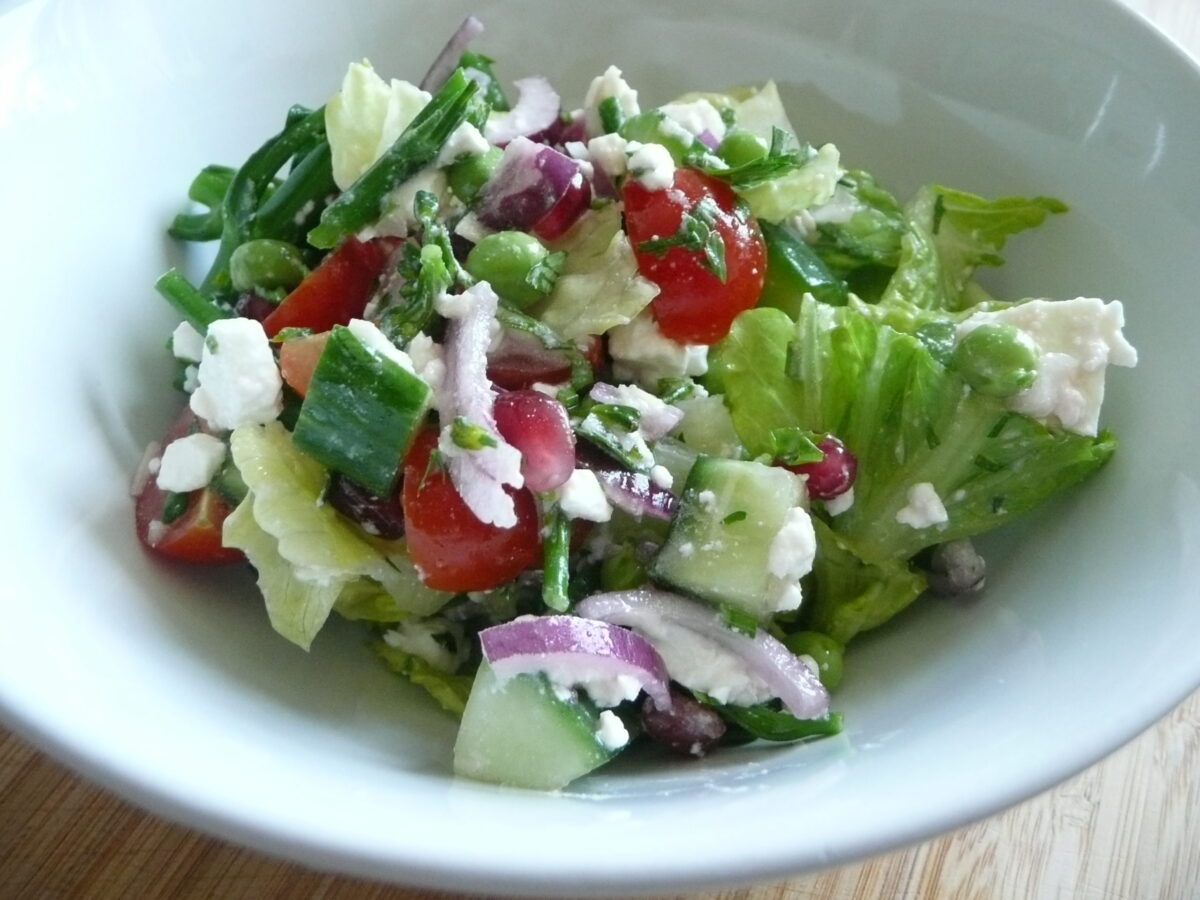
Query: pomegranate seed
point(689, 727)
point(834, 474)
point(539, 427)
point(380, 516)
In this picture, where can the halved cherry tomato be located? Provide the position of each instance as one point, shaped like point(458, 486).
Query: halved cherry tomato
point(298, 360)
point(336, 291)
point(694, 305)
point(195, 535)
point(451, 548)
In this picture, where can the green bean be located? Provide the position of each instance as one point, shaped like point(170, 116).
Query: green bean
point(556, 547)
point(297, 204)
point(793, 270)
point(365, 201)
point(249, 186)
point(195, 306)
point(208, 189)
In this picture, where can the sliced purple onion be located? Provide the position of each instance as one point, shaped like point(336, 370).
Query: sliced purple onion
point(636, 494)
point(563, 129)
point(481, 475)
point(446, 61)
point(656, 419)
point(708, 139)
point(782, 671)
point(530, 179)
point(577, 652)
point(535, 111)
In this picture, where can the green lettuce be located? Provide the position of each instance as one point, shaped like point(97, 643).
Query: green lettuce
point(949, 235)
point(599, 287)
point(810, 185)
point(448, 689)
point(870, 239)
point(305, 553)
point(906, 418)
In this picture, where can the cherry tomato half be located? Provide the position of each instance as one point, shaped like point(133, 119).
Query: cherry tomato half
point(695, 305)
point(194, 535)
point(451, 548)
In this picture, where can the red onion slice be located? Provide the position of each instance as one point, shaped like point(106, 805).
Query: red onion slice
point(443, 66)
point(535, 111)
point(783, 672)
point(579, 653)
point(520, 361)
point(636, 494)
point(530, 179)
point(656, 419)
point(480, 476)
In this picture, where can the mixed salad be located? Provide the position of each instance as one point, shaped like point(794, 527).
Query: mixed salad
point(616, 423)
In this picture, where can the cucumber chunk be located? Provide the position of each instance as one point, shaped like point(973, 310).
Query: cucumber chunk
point(719, 542)
point(518, 733)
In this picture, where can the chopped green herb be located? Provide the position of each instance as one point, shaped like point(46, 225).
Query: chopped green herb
point(545, 272)
point(290, 333)
point(738, 515)
point(675, 388)
point(795, 446)
point(174, 506)
point(617, 415)
point(612, 117)
point(470, 436)
point(695, 233)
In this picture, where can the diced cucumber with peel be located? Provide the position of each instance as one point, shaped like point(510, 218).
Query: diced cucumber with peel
point(729, 513)
point(518, 733)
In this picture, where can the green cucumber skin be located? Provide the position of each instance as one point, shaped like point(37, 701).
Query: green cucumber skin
point(361, 413)
point(726, 562)
point(518, 733)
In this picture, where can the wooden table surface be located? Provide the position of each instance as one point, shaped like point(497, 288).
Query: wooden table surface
point(1127, 828)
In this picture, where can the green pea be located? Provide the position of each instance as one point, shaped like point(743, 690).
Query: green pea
point(467, 176)
point(266, 265)
point(622, 571)
point(741, 147)
point(996, 360)
point(824, 649)
point(504, 260)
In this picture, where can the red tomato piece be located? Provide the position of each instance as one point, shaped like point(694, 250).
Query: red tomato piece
point(452, 549)
point(336, 291)
point(694, 305)
point(298, 360)
point(195, 536)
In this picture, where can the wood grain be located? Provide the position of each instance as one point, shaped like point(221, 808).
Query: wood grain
point(1127, 828)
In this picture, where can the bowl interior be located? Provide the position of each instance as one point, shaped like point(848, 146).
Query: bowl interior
point(167, 682)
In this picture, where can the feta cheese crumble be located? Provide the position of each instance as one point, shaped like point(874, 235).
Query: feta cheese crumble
point(608, 152)
point(697, 116)
point(790, 557)
point(612, 734)
point(189, 463)
point(841, 503)
point(610, 84)
point(924, 508)
point(661, 477)
point(464, 141)
point(187, 343)
point(582, 497)
point(652, 165)
point(643, 354)
point(376, 341)
point(239, 382)
point(1076, 340)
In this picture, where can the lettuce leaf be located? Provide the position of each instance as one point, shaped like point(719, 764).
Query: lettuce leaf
point(906, 418)
point(305, 552)
point(599, 287)
point(449, 690)
point(872, 235)
point(950, 234)
point(810, 185)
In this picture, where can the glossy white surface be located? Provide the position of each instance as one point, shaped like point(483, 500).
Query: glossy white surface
point(167, 683)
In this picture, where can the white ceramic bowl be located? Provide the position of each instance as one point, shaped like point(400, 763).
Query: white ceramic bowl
point(168, 685)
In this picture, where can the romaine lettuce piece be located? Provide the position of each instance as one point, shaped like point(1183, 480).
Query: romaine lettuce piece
point(906, 418)
point(448, 689)
point(599, 287)
point(866, 232)
point(811, 185)
point(950, 234)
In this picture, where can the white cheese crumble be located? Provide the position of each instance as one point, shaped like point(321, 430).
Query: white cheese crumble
point(376, 341)
point(608, 152)
point(421, 639)
point(1076, 340)
point(610, 84)
point(399, 220)
point(453, 306)
point(470, 228)
point(641, 353)
point(239, 382)
point(651, 164)
point(700, 664)
point(464, 141)
point(611, 733)
point(839, 210)
point(428, 361)
point(841, 503)
point(924, 508)
point(189, 463)
point(661, 477)
point(707, 500)
point(582, 497)
point(697, 116)
point(790, 557)
point(191, 379)
point(187, 343)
